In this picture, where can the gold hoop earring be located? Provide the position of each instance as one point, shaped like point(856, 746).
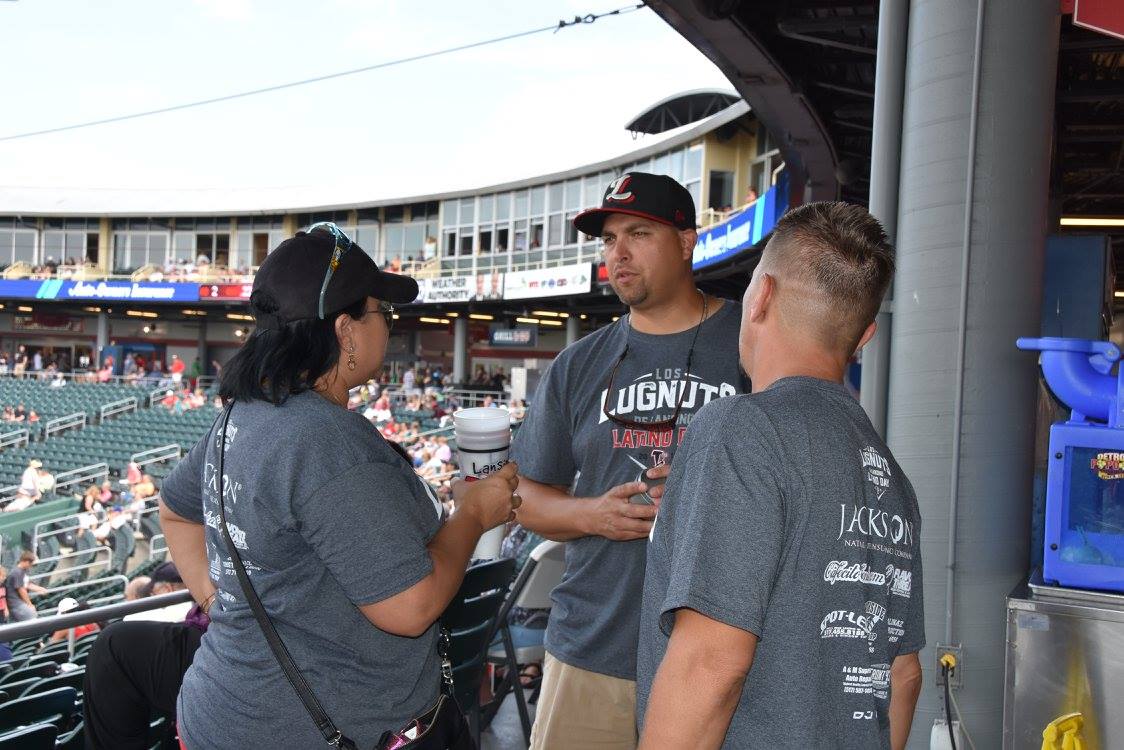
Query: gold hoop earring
point(351, 357)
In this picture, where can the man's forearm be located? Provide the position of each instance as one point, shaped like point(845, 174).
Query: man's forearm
point(691, 704)
point(26, 599)
point(904, 692)
point(551, 512)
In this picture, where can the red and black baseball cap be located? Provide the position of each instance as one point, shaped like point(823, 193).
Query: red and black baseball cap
point(653, 196)
point(295, 274)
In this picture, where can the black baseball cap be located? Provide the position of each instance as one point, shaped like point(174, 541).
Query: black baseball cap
point(653, 196)
point(293, 275)
point(164, 573)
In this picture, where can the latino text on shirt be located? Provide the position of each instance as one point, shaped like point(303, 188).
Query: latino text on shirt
point(596, 608)
point(787, 516)
point(327, 517)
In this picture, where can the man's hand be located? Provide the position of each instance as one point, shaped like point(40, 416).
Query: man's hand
point(659, 472)
point(612, 515)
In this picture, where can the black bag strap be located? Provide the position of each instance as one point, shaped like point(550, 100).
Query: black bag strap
point(332, 735)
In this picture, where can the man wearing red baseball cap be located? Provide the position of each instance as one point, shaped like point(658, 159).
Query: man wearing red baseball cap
point(598, 441)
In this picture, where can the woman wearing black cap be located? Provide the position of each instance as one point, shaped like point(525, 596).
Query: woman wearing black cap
point(347, 549)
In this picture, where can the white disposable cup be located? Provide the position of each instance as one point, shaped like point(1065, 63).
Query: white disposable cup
point(483, 441)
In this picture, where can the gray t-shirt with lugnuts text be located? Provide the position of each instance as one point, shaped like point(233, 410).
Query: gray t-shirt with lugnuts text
point(596, 609)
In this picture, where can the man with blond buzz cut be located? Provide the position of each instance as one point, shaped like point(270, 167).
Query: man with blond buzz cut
point(782, 603)
point(611, 411)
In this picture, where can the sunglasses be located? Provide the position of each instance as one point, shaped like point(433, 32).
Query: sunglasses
point(663, 424)
point(343, 244)
point(387, 311)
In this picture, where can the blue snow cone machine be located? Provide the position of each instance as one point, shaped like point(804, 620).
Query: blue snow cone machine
point(1084, 531)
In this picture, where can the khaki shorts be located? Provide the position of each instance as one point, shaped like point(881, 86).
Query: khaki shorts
point(578, 709)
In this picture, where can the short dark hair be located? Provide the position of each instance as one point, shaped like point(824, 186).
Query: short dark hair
point(274, 364)
point(27, 556)
point(841, 250)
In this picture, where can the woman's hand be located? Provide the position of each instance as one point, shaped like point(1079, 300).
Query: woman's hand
point(490, 501)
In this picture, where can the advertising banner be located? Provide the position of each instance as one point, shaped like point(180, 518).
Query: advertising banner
point(549, 282)
point(742, 230)
point(482, 286)
point(516, 337)
point(124, 291)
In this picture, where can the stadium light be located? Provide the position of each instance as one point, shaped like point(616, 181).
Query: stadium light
point(549, 314)
point(92, 309)
point(239, 316)
point(25, 308)
point(440, 321)
point(194, 312)
point(583, 316)
point(550, 323)
point(1118, 294)
point(481, 316)
point(1091, 221)
point(532, 321)
point(141, 314)
point(452, 315)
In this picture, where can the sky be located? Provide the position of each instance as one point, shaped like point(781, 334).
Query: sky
point(512, 110)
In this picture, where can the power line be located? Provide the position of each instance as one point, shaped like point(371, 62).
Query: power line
point(562, 24)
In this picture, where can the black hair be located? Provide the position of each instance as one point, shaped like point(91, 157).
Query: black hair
point(274, 364)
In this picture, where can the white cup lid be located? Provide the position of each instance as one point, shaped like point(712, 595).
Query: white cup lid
point(481, 419)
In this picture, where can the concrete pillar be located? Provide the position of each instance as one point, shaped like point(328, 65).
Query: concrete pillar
point(972, 220)
point(103, 338)
point(573, 326)
point(885, 162)
point(201, 348)
point(460, 350)
point(105, 244)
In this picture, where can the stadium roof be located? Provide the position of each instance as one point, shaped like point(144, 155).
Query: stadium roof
point(414, 187)
point(681, 109)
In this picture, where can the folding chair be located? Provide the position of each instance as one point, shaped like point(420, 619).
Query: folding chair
point(470, 619)
point(531, 590)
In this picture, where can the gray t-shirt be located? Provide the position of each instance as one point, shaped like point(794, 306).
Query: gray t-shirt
point(785, 515)
point(16, 580)
point(596, 613)
point(326, 517)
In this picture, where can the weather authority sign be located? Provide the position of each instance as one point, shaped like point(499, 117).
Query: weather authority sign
point(123, 291)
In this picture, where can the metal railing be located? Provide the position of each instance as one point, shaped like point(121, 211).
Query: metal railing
point(157, 545)
point(156, 455)
point(45, 625)
point(70, 421)
point(101, 582)
point(469, 398)
point(117, 407)
point(95, 563)
point(15, 438)
point(38, 534)
point(82, 474)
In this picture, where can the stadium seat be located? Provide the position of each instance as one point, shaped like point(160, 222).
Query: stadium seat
point(73, 740)
point(56, 707)
point(37, 737)
point(38, 671)
point(73, 679)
